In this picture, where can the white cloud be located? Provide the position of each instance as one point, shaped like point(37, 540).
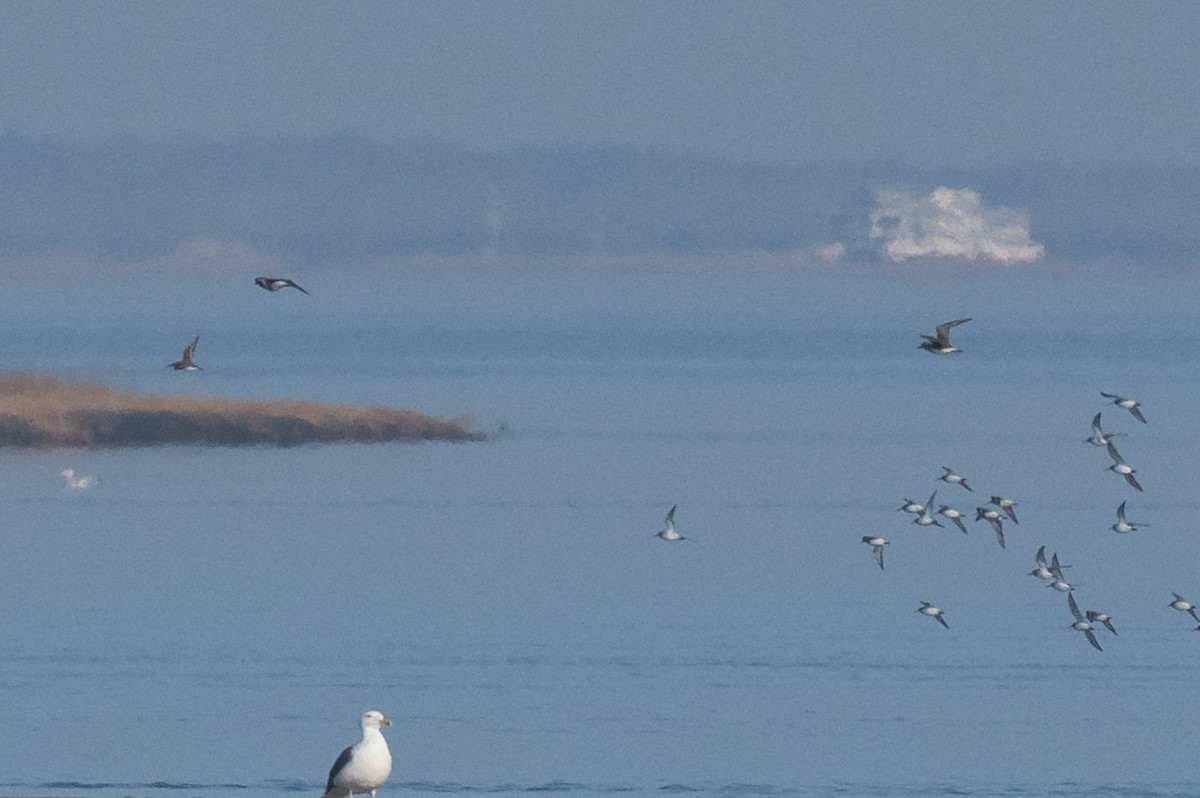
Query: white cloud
point(831, 253)
point(217, 255)
point(951, 223)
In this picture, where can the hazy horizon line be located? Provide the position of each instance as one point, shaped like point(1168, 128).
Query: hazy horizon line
point(281, 203)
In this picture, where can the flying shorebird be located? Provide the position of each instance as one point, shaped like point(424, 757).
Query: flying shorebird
point(1080, 624)
point(925, 519)
point(669, 534)
point(953, 515)
point(185, 363)
point(1123, 525)
point(365, 766)
point(953, 478)
point(1119, 466)
point(1007, 506)
point(1183, 605)
point(939, 344)
point(933, 612)
point(1102, 617)
point(1048, 571)
point(876, 543)
point(1132, 405)
point(274, 284)
point(995, 519)
point(911, 506)
point(1099, 437)
point(1062, 585)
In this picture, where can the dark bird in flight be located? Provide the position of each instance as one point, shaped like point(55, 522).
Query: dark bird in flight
point(274, 284)
point(940, 344)
point(185, 363)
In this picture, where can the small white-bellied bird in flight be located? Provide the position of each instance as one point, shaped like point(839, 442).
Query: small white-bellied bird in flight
point(669, 534)
point(939, 344)
point(876, 544)
point(1049, 571)
point(1122, 524)
point(994, 518)
point(1119, 466)
point(1080, 624)
point(1007, 506)
point(1183, 605)
point(1099, 437)
point(186, 363)
point(1132, 405)
point(955, 479)
point(1102, 617)
point(953, 515)
point(926, 518)
point(933, 612)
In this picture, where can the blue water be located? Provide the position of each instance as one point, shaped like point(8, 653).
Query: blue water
point(212, 622)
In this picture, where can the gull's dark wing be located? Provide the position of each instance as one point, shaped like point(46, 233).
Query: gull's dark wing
point(338, 766)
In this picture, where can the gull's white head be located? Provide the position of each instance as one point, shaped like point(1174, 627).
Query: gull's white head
point(373, 720)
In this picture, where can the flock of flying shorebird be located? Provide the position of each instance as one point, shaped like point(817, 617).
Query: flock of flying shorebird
point(1003, 509)
point(999, 510)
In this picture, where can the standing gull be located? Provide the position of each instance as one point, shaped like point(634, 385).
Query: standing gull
point(955, 479)
point(933, 612)
point(876, 543)
point(1132, 405)
point(1122, 524)
point(185, 363)
point(274, 284)
point(939, 344)
point(1080, 624)
point(365, 766)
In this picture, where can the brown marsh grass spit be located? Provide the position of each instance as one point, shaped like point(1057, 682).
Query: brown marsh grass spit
point(41, 412)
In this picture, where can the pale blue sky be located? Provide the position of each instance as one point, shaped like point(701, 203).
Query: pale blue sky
point(930, 82)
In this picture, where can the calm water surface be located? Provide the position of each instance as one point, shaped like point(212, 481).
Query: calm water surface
point(211, 622)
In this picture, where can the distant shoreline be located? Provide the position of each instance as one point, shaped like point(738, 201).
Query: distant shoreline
point(38, 412)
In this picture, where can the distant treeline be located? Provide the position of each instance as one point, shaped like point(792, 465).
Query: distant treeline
point(337, 199)
point(42, 413)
